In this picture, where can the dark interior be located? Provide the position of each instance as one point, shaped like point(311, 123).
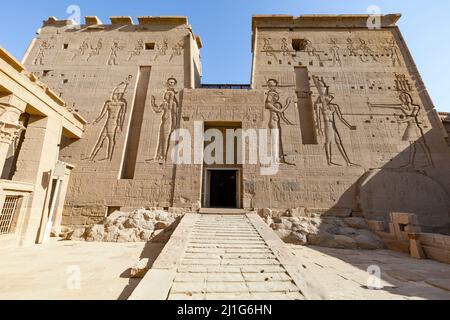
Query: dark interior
point(223, 189)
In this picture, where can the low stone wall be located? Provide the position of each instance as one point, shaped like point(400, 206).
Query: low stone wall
point(395, 233)
point(403, 233)
point(435, 246)
point(301, 227)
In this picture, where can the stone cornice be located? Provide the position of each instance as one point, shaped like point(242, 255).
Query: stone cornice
point(121, 20)
point(318, 21)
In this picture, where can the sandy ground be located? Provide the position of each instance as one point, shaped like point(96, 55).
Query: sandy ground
point(52, 271)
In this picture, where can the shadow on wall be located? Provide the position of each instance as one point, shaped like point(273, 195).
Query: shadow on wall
point(415, 181)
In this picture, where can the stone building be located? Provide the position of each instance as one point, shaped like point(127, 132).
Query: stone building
point(359, 134)
point(33, 185)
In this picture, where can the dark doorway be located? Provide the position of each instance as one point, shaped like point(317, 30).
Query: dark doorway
point(223, 188)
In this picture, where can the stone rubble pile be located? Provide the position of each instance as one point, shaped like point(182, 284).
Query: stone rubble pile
point(325, 231)
point(137, 226)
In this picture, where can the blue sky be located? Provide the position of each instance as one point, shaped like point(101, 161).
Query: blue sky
point(225, 27)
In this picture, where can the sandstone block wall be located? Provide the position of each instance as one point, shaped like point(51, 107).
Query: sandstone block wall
point(359, 133)
point(111, 74)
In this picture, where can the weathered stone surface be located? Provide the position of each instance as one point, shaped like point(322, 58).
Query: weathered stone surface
point(95, 233)
point(135, 226)
point(140, 269)
point(357, 223)
point(75, 234)
point(296, 212)
point(333, 232)
point(161, 225)
point(345, 241)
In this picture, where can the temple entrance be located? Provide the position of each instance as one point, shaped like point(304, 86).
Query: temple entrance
point(222, 188)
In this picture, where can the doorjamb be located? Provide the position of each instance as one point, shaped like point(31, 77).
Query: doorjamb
point(207, 185)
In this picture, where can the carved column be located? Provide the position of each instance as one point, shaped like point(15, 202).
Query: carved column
point(10, 128)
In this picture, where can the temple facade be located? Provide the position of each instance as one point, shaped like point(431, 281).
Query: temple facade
point(356, 131)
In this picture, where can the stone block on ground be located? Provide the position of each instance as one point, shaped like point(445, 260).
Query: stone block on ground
point(140, 269)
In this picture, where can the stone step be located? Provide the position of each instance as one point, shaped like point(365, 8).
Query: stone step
point(220, 211)
point(225, 254)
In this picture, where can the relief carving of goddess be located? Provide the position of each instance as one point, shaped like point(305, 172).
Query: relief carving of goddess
point(168, 109)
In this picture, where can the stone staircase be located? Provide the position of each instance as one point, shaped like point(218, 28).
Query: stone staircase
point(226, 257)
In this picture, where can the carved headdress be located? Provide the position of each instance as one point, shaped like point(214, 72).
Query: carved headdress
point(122, 87)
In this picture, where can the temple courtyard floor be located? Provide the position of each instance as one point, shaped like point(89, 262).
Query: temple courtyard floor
point(80, 270)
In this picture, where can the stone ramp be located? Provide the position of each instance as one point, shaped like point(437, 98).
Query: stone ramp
point(226, 257)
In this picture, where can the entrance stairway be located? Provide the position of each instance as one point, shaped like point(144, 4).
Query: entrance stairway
point(226, 257)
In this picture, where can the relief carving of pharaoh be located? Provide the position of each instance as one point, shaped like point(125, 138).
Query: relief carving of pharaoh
point(327, 115)
point(44, 46)
point(114, 110)
point(413, 134)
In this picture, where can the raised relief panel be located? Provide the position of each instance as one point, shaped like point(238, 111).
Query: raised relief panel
point(335, 53)
point(137, 50)
point(114, 53)
point(393, 52)
point(402, 83)
point(269, 50)
point(327, 115)
point(95, 49)
point(277, 115)
point(407, 113)
point(43, 48)
point(305, 48)
point(81, 51)
point(177, 50)
point(114, 110)
point(170, 114)
point(162, 48)
point(361, 50)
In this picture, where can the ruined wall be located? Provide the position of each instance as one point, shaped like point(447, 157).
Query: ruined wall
point(373, 144)
point(116, 76)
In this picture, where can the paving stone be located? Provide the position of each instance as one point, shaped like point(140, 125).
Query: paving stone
point(262, 269)
point(187, 296)
point(220, 287)
point(262, 277)
point(225, 277)
point(222, 269)
point(188, 287)
point(252, 262)
point(200, 262)
point(190, 277)
point(274, 286)
point(277, 296)
point(230, 296)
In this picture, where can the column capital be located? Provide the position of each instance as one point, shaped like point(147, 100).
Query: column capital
point(10, 126)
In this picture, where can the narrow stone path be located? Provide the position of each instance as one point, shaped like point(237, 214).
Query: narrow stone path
point(226, 257)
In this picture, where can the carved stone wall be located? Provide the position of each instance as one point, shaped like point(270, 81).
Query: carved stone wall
point(351, 108)
point(370, 111)
point(97, 70)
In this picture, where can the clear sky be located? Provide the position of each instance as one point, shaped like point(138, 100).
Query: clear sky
point(225, 28)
